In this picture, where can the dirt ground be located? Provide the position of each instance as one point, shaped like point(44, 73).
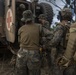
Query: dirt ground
point(7, 69)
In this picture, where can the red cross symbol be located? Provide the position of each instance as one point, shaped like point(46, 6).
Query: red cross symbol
point(9, 19)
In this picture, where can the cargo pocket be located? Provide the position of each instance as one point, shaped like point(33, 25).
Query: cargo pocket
point(34, 61)
point(21, 58)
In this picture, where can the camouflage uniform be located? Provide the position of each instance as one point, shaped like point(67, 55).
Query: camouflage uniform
point(59, 38)
point(46, 33)
point(46, 37)
point(28, 57)
point(43, 20)
point(58, 42)
point(58, 45)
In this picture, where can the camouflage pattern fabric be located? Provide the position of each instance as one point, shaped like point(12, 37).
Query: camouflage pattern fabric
point(46, 25)
point(28, 62)
point(65, 14)
point(28, 57)
point(70, 50)
point(69, 65)
point(46, 50)
point(27, 16)
point(44, 18)
point(59, 41)
point(69, 57)
point(57, 44)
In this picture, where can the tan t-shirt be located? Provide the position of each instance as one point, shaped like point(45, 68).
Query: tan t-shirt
point(28, 36)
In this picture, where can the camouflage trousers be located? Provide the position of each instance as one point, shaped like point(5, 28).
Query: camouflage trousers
point(70, 70)
point(28, 62)
point(46, 57)
point(57, 70)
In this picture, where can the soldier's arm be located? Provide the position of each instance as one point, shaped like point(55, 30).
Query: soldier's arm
point(57, 36)
point(19, 33)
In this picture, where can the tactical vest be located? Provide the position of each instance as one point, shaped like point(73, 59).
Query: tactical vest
point(71, 46)
point(65, 36)
point(63, 43)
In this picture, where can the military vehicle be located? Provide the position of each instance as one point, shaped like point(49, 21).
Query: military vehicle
point(10, 20)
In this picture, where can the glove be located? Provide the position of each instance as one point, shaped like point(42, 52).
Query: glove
point(63, 62)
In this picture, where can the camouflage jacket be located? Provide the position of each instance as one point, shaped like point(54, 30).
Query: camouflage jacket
point(59, 38)
point(46, 25)
point(46, 35)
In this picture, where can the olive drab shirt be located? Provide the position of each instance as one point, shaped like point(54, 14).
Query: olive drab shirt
point(28, 36)
point(71, 46)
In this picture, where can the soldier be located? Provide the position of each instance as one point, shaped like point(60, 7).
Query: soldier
point(58, 43)
point(69, 58)
point(19, 15)
point(46, 33)
point(46, 37)
point(43, 21)
point(28, 57)
point(21, 8)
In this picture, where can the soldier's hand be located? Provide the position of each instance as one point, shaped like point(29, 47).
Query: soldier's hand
point(41, 49)
point(63, 62)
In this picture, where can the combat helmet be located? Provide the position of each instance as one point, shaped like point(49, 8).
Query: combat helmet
point(27, 16)
point(65, 14)
point(42, 16)
point(22, 6)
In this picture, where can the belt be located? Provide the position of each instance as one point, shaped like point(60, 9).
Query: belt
point(30, 51)
point(25, 50)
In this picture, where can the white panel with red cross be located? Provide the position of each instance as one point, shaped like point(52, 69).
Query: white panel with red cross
point(9, 19)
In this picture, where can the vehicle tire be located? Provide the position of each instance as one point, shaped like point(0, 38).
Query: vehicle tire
point(47, 10)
